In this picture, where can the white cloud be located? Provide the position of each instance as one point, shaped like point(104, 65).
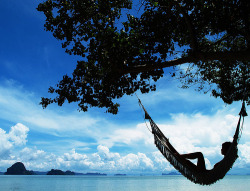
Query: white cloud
point(102, 160)
point(146, 162)
point(128, 162)
point(18, 134)
point(18, 105)
point(190, 132)
point(74, 156)
point(244, 151)
point(126, 135)
point(134, 162)
point(5, 145)
point(161, 163)
point(16, 137)
point(28, 154)
point(35, 159)
point(106, 154)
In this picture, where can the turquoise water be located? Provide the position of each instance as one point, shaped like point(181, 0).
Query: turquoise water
point(115, 183)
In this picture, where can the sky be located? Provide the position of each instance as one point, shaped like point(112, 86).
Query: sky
point(32, 60)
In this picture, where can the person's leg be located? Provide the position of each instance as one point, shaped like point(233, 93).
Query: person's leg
point(201, 162)
point(200, 159)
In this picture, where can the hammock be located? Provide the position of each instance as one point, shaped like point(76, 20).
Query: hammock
point(206, 177)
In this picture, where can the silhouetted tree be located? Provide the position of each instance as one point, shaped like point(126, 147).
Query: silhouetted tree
point(121, 56)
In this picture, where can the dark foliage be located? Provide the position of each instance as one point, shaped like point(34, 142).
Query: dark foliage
point(122, 57)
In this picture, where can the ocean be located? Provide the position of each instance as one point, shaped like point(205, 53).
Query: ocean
point(117, 183)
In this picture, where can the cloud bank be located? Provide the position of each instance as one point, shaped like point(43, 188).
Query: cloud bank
point(13, 148)
point(86, 143)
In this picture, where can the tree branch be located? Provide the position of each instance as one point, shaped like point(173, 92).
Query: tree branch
point(189, 26)
point(222, 56)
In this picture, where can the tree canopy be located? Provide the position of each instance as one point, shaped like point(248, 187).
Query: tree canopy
point(122, 53)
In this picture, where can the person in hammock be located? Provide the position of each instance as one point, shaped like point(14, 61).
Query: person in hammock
point(200, 158)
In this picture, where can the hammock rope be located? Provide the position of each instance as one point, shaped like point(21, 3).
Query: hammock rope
point(207, 177)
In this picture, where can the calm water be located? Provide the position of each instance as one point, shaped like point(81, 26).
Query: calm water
point(111, 183)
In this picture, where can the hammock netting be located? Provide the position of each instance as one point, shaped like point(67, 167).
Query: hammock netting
point(207, 177)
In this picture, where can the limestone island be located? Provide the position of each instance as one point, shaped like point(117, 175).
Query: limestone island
point(59, 172)
point(18, 169)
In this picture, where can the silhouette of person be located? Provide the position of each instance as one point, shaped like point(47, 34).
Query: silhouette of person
point(200, 167)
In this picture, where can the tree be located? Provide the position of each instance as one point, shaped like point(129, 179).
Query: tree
point(121, 56)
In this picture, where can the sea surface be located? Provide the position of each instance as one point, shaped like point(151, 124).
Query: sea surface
point(117, 183)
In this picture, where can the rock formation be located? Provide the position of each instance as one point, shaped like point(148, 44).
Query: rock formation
point(18, 169)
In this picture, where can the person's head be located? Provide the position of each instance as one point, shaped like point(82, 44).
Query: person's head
point(225, 147)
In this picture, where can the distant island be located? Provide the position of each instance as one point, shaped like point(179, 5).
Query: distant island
point(94, 174)
point(18, 169)
point(171, 173)
point(59, 172)
point(120, 174)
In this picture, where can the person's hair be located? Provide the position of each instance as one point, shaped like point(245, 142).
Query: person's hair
point(226, 146)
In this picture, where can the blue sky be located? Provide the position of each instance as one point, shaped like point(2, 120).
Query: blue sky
point(31, 60)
